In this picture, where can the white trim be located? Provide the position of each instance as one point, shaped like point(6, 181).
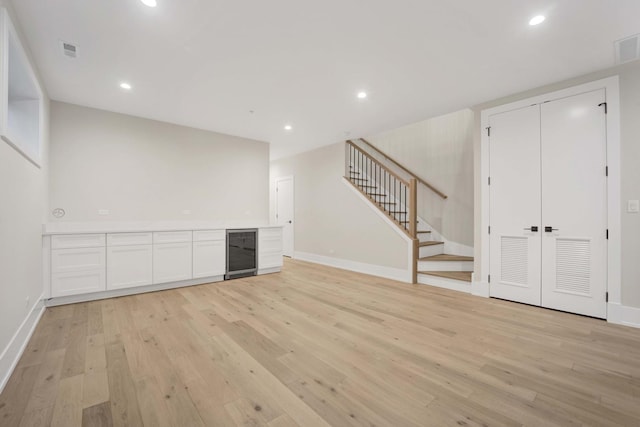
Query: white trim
point(444, 282)
point(359, 267)
point(13, 352)
point(293, 200)
point(72, 299)
point(612, 90)
point(623, 315)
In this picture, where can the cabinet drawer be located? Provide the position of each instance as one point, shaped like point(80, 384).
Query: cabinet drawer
point(129, 239)
point(269, 244)
point(82, 259)
point(270, 232)
point(69, 241)
point(77, 282)
point(207, 235)
point(171, 236)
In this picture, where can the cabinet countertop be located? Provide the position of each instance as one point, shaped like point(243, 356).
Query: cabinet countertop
point(144, 226)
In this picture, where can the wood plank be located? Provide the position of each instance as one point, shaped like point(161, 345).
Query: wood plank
point(315, 345)
point(447, 257)
point(97, 416)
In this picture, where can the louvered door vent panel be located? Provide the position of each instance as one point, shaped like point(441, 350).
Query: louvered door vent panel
point(573, 266)
point(514, 266)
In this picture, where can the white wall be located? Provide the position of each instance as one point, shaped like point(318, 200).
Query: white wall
point(23, 202)
point(141, 169)
point(629, 75)
point(440, 151)
point(330, 220)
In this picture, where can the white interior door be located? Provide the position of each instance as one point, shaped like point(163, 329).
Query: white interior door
point(284, 213)
point(574, 204)
point(514, 158)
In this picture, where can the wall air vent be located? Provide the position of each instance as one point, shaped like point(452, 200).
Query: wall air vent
point(627, 49)
point(69, 50)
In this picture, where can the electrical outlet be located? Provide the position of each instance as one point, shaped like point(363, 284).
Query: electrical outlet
point(633, 206)
point(27, 302)
point(103, 212)
point(186, 212)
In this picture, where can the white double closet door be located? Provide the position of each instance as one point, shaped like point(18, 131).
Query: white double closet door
point(548, 204)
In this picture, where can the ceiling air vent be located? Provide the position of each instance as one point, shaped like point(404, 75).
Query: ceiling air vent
point(69, 50)
point(627, 49)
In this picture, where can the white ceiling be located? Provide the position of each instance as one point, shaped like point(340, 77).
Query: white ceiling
point(207, 63)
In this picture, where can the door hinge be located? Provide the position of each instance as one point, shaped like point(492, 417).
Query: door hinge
point(489, 279)
point(606, 297)
point(489, 181)
point(488, 130)
point(605, 106)
point(489, 229)
point(607, 234)
point(606, 171)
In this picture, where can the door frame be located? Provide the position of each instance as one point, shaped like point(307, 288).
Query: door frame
point(293, 200)
point(480, 286)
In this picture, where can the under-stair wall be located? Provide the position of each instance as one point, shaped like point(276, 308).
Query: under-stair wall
point(332, 224)
point(440, 150)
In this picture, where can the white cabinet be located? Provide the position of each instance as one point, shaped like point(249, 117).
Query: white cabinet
point(209, 253)
point(129, 260)
point(269, 248)
point(77, 271)
point(172, 262)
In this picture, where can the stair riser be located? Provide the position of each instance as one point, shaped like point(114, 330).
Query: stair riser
point(432, 250)
point(424, 237)
point(443, 282)
point(445, 265)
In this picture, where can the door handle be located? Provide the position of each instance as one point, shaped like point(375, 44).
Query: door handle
point(549, 229)
point(533, 228)
point(289, 221)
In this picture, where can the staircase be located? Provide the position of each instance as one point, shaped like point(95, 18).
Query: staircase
point(370, 172)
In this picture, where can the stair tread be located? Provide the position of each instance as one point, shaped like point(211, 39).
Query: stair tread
point(447, 257)
point(366, 186)
point(430, 243)
point(464, 276)
point(387, 203)
point(358, 179)
point(377, 194)
point(423, 231)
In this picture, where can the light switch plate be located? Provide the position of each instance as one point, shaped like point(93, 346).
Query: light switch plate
point(633, 206)
point(103, 212)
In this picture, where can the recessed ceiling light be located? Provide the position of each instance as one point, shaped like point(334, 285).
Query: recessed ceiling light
point(125, 86)
point(362, 95)
point(150, 3)
point(288, 127)
point(537, 20)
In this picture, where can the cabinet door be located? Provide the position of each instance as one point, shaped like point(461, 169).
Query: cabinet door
point(129, 266)
point(172, 262)
point(514, 147)
point(209, 258)
point(269, 248)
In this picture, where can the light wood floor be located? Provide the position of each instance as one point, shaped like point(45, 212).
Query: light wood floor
point(315, 346)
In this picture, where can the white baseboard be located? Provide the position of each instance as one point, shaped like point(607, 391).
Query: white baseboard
point(479, 288)
point(359, 267)
point(72, 299)
point(623, 315)
point(12, 353)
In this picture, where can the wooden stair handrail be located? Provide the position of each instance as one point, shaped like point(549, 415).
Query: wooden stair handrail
point(395, 175)
point(420, 180)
